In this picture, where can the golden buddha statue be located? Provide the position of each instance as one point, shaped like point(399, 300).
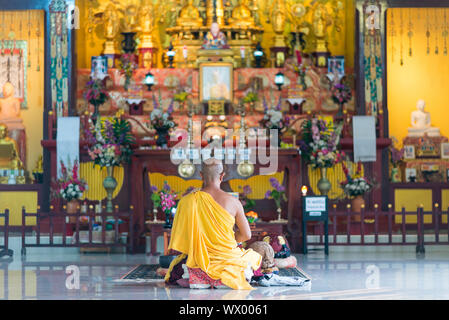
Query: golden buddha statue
point(9, 158)
point(241, 15)
point(10, 108)
point(320, 24)
point(131, 19)
point(146, 25)
point(278, 21)
point(111, 27)
point(189, 16)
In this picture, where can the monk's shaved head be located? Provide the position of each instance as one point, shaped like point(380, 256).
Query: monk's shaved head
point(211, 170)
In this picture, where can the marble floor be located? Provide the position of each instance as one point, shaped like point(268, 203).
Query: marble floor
point(347, 273)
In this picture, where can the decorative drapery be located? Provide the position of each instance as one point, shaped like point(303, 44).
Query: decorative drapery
point(13, 62)
point(59, 57)
point(372, 42)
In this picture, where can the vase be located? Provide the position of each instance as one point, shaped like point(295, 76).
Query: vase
point(162, 134)
point(109, 183)
point(357, 203)
point(279, 211)
point(324, 184)
point(154, 214)
point(96, 113)
point(72, 208)
point(339, 115)
point(129, 43)
point(168, 223)
point(395, 175)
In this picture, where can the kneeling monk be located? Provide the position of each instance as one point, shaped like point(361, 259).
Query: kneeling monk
point(203, 231)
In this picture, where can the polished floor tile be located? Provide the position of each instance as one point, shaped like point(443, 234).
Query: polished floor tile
point(355, 273)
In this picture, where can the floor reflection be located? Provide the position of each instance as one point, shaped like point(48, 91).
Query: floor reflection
point(341, 276)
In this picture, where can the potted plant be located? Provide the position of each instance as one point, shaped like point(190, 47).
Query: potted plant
point(95, 93)
point(355, 186)
point(109, 146)
point(128, 63)
point(252, 217)
point(277, 194)
point(181, 98)
point(162, 122)
point(247, 203)
point(168, 203)
point(70, 188)
point(341, 94)
point(396, 159)
point(319, 148)
point(274, 119)
point(251, 98)
point(156, 200)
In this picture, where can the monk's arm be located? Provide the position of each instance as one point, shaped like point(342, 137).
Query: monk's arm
point(244, 232)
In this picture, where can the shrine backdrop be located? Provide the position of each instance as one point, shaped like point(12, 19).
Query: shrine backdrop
point(90, 41)
point(421, 75)
point(28, 26)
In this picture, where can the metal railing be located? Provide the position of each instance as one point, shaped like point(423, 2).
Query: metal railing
point(4, 248)
point(54, 225)
point(378, 228)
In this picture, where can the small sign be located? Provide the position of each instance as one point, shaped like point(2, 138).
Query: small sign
point(314, 204)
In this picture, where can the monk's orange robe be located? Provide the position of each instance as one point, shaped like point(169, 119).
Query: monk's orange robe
point(203, 230)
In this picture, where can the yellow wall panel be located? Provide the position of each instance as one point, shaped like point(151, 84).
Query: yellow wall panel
point(259, 184)
point(94, 177)
point(421, 75)
point(411, 199)
point(14, 201)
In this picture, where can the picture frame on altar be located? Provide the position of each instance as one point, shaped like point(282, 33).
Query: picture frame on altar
point(409, 152)
point(445, 150)
point(336, 63)
point(410, 175)
point(216, 81)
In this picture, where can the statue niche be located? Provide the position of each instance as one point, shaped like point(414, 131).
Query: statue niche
point(241, 16)
point(9, 158)
point(189, 16)
point(10, 118)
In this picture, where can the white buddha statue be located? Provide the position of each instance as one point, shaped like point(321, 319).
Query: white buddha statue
point(421, 124)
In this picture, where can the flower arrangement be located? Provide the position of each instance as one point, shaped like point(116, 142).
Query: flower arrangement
point(70, 187)
point(247, 203)
point(252, 216)
point(301, 71)
point(250, 97)
point(355, 185)
point(319, 144)
point(155, 197)
point(95, 92)
point(396, 155)
point(341, 93)
point(109, 143)
point(168, 202)
point(159, 119)
point(128, 63)
point(277, 193)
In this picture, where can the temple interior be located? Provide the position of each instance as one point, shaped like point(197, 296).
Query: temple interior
point(329, 116)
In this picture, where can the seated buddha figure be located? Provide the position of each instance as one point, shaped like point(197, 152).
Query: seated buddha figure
point(215, 39)
point(189, 16)
point(10, 108)
point(9, 158)
point(241, 16)
point(421, 124)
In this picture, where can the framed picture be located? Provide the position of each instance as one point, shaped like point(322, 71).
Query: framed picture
point(410, 175)
point(216, 81)
point(336, 64)
point(445, 150)
point(409, 152)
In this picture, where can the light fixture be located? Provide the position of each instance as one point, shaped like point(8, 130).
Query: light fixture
point(149, 80)
point(279, 80)
point(258, 55)
point(304, 191)
point(171, 55)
